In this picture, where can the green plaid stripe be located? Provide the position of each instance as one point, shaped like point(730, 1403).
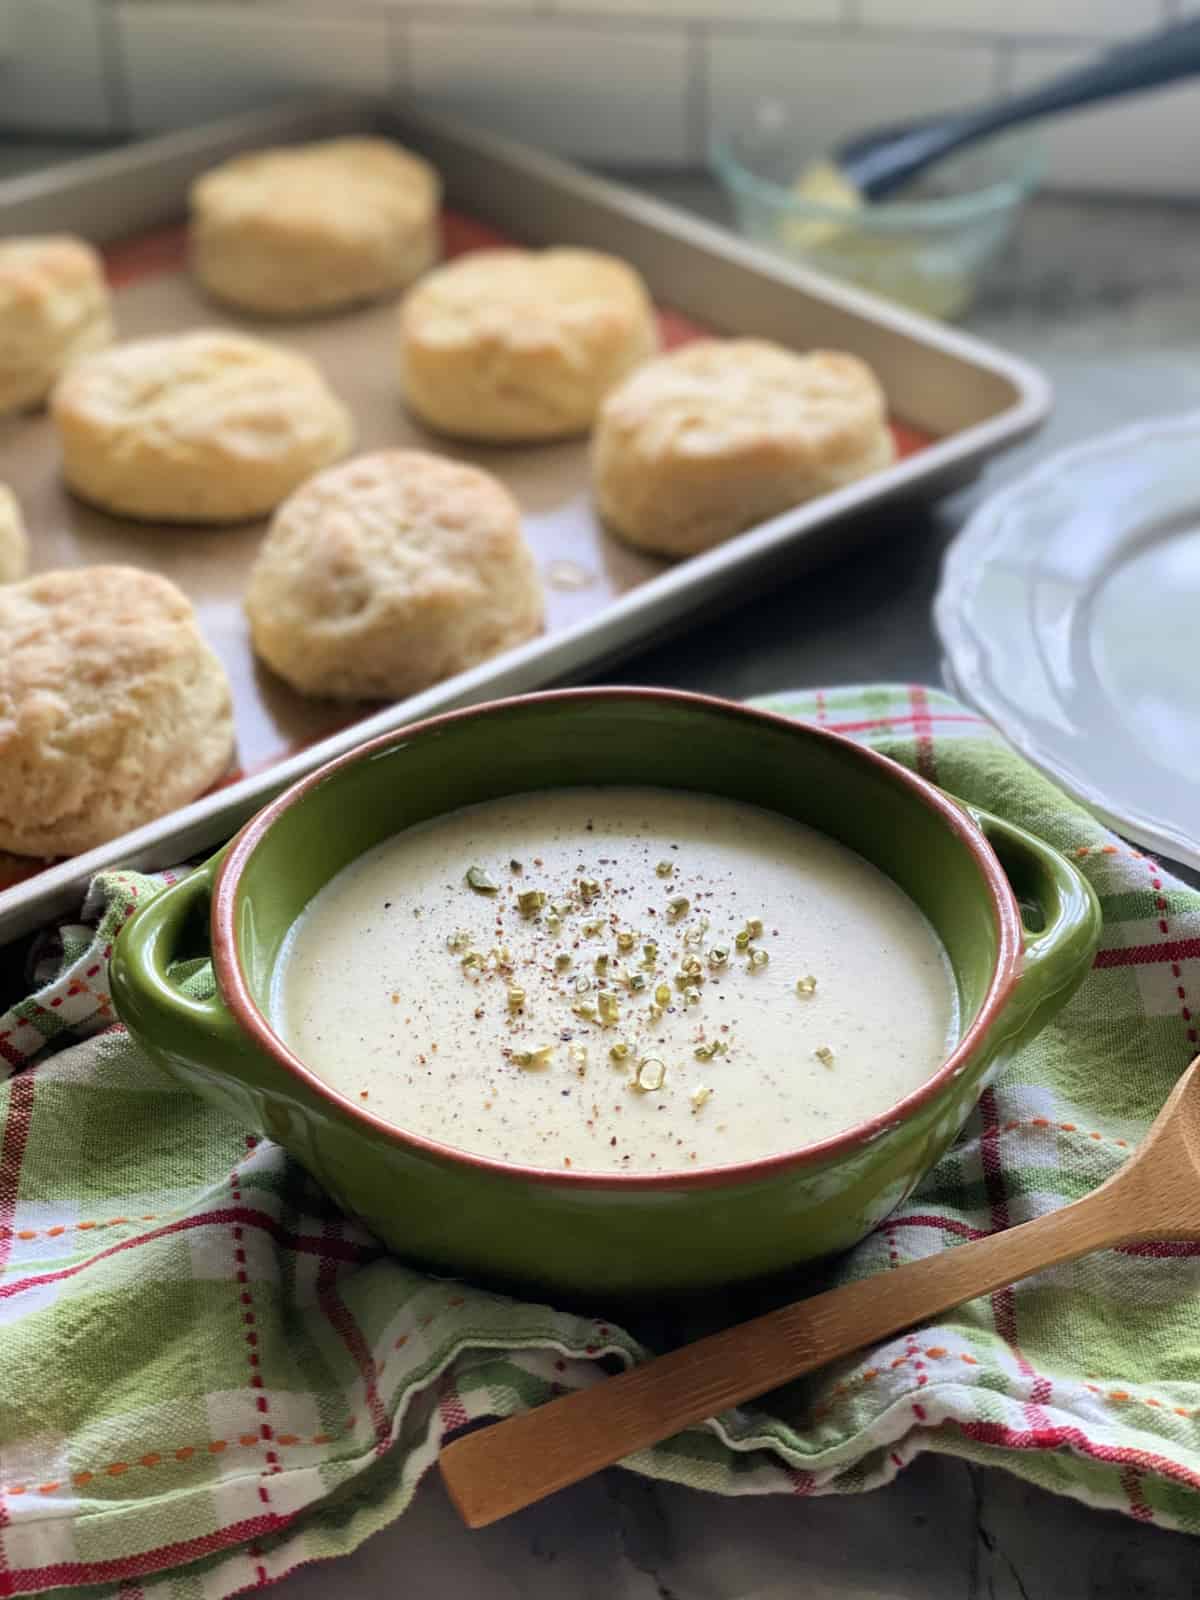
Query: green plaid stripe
point(199, 1353)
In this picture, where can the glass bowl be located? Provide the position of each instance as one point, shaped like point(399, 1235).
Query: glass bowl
point(926, 249)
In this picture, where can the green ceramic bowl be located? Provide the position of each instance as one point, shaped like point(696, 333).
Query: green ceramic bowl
point(610, 1234)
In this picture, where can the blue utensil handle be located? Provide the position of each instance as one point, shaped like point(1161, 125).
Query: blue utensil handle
point(1145, 64)
point(878, 164)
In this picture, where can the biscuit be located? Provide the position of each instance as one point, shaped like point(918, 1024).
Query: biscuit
point(313, 227)
point(113, 709)
point(14, 543)
point(725, 433)
point(521, 345)
point(54, 307)
point(389, 573)
point(208, 426)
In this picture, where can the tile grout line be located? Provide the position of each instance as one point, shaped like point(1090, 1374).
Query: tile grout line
point(584, 18)
point(1004, 68)
point(848, 19)
point(399, 56)
point(696, 101)
point(113, 69)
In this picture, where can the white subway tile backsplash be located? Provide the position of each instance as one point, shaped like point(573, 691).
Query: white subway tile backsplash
point(832, 84)
point(1012, 18)
point(599, 93)
point(622, 81)
point(51, 66)
point(430, 8)
point(186, 63)
point(714, 10)
point(1144, 144)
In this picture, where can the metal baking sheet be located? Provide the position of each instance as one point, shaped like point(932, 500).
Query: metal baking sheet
point(583, 569)
point(957, 399)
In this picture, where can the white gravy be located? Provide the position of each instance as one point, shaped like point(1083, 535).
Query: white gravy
point(397, 983)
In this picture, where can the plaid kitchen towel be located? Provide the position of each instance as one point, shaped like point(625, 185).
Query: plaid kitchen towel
point(209, 1376)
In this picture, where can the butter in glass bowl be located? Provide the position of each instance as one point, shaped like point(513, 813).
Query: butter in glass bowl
point(927, 247)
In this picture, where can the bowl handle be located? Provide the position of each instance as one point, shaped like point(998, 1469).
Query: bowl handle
point(1060, 918)
point(148, 1000)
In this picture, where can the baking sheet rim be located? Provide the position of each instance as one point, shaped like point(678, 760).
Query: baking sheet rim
point(548, 658)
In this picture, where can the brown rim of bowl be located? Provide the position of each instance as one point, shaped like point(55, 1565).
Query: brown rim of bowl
point(237, 995)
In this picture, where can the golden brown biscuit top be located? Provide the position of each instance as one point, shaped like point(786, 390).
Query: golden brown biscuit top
point(67, 638)
point(524, 298)
point(33, 268)
point(721, 396)
point(321, 187)
point(256, 396)
point(394, 518)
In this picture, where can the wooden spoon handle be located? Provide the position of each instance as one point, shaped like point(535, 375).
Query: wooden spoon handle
point(500, 1469)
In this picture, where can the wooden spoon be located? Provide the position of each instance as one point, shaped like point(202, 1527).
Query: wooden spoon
point(498, 1470)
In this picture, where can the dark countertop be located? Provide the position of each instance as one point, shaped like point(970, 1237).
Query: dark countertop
point(1099, 294)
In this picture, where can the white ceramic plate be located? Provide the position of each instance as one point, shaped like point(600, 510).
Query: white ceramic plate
point(1069, 611)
